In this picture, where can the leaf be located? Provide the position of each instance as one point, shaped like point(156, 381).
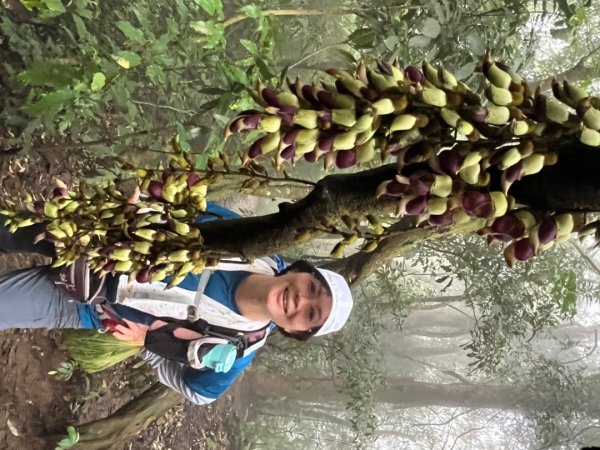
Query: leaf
point(209, 105)
point(419, 41)
point(212, 91)
point(363, 38)
point(54, 6)
point(439, 12)
point(212, 7)
point(430, 28)
point(50, 104)
point(465, 71)
point(155, 74)
point(347, 55)
point(132, 33)
point(391, 42)
point(126, 59)
point(181, 138)
point(214, 32)
point(566, 9)
point(476, 43)
point(254, 11)
point(64, 444)
point(73, 434)
point(264, 70)
point(53, 75)
point(249, 45)
point(235, 74)
point(98, 81)
point(80, 26)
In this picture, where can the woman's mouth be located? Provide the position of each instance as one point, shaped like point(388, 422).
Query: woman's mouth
point(284, 302)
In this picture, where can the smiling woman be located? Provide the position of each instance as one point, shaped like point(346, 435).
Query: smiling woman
point(199, 335)
point(298, 300)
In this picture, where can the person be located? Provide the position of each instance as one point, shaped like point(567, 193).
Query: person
point(299, 300)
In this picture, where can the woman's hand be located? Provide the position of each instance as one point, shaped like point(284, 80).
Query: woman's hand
point(132, 332)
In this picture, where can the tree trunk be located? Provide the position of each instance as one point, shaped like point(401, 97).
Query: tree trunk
point(127, 421)
point(570, 185)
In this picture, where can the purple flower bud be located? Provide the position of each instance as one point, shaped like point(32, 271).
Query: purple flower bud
point(477, 204)
point(155, 189)
point(442, 220)
point(326, 143)
point(325, 98)
point(249, 112)
point(341, 88)
point(236, 125)
point(308, 92)
point(420, 183)
point(255, 149)
point(514, 172)
point(287, 115)
point(193, 178)
point(507, 228)
point(311, 157)
point(143, 276)
point(416, 205)
point(524, 249)
point(485, 67)
point(290, 137)
point(60, 192)
point(414, 74)
point(395, 189)
point(38, 206)
point(269, 95)
point(250, 122)
point(288, 153)
point(450, 162)
point(548, 230)
point(345, 158)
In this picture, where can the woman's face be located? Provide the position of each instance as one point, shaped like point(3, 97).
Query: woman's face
point(298, 302)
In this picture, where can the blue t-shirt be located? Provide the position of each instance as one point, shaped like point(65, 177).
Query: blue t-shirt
point(221, 287)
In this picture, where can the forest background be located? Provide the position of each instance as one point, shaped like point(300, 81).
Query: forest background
point(447, 348)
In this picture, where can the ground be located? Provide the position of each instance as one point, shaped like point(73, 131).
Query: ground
point(37, 404)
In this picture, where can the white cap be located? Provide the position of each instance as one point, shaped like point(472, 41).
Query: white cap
point(341, 302)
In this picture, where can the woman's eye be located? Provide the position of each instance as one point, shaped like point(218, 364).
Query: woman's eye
point(313, 288)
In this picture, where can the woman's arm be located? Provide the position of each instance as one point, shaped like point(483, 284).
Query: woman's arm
point(171, 373)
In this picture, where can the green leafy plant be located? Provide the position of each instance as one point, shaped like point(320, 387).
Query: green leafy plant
point(70, 441)
point(65, 370)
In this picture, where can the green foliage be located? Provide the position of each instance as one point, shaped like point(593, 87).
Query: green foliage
point(69, 441)
point(65, 370)
point(45, 9)
point(511, 305)
point(106, 69)
point(183, 62)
